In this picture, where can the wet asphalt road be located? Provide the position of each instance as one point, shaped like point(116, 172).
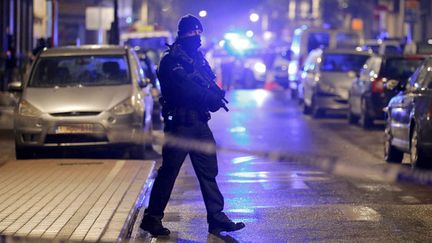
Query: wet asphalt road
point(290, 201)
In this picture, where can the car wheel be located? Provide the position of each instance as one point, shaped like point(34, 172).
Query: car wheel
point(417, 156)
point(365, 120)
point(391, 153)
point(23, 153)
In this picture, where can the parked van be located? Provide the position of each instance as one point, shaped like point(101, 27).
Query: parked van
point(306, 39)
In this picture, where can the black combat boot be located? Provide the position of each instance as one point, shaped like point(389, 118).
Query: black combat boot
point(153, 226)
point(217, 227)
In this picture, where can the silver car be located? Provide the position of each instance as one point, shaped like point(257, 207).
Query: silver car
point(327, 77)
point(83, 96)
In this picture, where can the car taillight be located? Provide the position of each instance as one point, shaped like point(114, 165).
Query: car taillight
point(377, 85)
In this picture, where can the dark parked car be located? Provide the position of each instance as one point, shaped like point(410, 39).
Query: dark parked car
point(408, 123)
point(367, 96)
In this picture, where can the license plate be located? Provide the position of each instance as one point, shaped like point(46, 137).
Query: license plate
point(76, 128)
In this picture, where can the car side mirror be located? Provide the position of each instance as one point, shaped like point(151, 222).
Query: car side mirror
point(15, 86)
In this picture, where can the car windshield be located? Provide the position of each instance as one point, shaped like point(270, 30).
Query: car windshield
point(400, 68)
point(92, 70)
point(335, 62)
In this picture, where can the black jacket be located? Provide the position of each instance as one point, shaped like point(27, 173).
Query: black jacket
point(179, 91)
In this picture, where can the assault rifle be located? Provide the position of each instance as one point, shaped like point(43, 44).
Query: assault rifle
point(201, 74)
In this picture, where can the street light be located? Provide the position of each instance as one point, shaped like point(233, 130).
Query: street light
point(254, 17)
point(268, 35)
point(202, 13)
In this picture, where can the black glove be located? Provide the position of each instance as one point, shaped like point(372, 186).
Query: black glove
point(213, 101)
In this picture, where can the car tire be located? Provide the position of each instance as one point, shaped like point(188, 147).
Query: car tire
point(391, 153)
point(366, 121)
point(417, 155)
point(23, 153)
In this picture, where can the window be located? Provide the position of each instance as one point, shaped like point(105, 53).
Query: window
point(96, 70)
point(400, 68)
point(335, 62)
point(424, 76)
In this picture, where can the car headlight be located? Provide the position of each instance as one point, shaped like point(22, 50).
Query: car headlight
point(27, 109)
point(260, 67)
point(123, 108)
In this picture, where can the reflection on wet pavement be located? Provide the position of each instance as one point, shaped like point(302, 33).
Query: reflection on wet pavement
point(288, 201)
point(359, 213)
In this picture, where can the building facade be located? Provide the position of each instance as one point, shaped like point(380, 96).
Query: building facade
point(16, 38)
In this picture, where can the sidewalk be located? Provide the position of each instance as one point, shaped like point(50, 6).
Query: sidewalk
point(77, 200)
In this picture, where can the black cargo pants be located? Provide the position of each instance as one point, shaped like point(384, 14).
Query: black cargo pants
point(205, 166)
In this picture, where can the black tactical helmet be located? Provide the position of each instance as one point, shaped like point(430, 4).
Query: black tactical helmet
point(188, 23)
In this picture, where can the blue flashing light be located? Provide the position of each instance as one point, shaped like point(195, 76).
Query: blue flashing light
point(231, 36)
point(237, 43)
point(241, 44)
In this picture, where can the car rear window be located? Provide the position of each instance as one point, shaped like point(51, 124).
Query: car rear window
point(400, 68)
point(91, 70)
point(342, 62)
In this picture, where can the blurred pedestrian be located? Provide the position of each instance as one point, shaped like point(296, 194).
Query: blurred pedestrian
point(41, 44)
point(186, 105)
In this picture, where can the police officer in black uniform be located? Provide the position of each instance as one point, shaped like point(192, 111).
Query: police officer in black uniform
point(186, 105)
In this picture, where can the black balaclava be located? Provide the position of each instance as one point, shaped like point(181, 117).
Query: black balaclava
point(186, 24)
point(190, 43)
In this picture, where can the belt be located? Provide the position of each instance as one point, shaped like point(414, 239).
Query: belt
point(186, 116)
